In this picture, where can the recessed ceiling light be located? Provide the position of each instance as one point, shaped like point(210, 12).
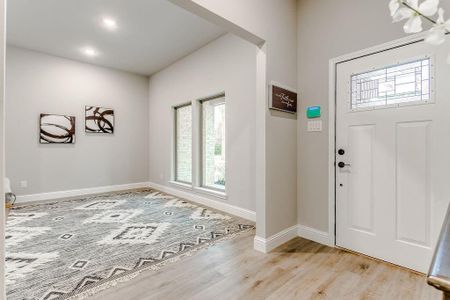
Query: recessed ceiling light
point(89, 51)
point(109, 23)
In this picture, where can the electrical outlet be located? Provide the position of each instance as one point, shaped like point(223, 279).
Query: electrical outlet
point(24, 184)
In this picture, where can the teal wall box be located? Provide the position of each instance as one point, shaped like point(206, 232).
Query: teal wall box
point(313, 112)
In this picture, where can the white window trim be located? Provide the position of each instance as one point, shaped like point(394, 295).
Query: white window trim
point(200, 144)
point(198, 190)
point(174, 143)
point(211, 192)
point(181, 185)
point(197, 160)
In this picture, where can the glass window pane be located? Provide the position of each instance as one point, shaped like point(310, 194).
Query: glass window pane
point(213, 140)
point(183, 150)
point(397, 84)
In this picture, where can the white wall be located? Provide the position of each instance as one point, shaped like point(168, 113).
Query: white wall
point(327, 29)
point(275, 22)
point(38, 83)
point(2, 144)
point(227, 64)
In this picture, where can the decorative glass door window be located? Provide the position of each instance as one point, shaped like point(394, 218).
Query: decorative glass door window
point(393, 85)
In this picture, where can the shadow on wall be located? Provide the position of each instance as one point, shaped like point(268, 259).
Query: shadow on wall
point(280, 114)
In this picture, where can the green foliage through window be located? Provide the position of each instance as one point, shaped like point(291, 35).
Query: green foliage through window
point(220, 182)
point(218, 149)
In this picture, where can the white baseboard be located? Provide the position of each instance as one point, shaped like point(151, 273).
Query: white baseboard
point(259, 244)
point(266, 245)
point(315, 235)
point(231, 209)
point(79, 192)
point(219, 205)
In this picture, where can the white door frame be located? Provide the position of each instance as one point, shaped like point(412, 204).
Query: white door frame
point(412, 39)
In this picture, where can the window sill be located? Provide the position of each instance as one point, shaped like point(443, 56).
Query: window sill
point(199, 190)
point(185, 186)
point(211, 192)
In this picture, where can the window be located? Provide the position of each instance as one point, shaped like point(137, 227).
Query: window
point(403, 83)
point(183, 143)
point(200, 147)
point(213, 142)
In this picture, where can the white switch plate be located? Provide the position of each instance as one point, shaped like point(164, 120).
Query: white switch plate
point(314, 126)
point(24, 184)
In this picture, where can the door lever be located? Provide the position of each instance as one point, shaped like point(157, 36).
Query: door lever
point(342, 164)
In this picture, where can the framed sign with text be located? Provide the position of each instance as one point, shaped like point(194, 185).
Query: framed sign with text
point(282, 99)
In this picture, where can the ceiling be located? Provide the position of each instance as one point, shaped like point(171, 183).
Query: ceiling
point(150, 34)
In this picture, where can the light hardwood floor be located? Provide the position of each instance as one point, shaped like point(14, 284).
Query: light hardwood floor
point(300, 269)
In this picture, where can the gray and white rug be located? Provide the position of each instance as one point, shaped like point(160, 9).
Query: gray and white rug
point(66, 248)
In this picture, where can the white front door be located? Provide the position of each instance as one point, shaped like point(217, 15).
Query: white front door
point(393, 153)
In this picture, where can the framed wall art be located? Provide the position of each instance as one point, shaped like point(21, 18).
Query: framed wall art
point(57, 129)
point(99, 120)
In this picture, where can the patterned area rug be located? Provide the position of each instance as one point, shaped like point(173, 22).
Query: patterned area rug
point(60, 249)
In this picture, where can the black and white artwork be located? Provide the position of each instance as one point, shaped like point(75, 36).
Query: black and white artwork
point(99, 119)
point(57, 129)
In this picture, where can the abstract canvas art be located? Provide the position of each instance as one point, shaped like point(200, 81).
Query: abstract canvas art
point(99, 119)
point(57, 129)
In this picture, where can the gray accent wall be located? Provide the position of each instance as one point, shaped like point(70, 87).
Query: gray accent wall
point(2, 146)
point(328, 29)
point(39, 83)
point(228, 65)
point(275, 22)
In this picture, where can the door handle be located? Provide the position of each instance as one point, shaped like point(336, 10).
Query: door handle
point(342, 164)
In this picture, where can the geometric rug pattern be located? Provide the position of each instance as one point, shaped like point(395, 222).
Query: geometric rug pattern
point(58, 249)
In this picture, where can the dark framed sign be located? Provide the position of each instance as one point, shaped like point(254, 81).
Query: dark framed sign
point(283, 99)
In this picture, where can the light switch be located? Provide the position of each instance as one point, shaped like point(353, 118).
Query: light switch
point(314, 126)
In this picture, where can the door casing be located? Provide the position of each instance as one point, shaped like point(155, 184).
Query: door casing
point(332, 118)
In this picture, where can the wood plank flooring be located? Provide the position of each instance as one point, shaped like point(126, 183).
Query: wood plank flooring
point(299, 269)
